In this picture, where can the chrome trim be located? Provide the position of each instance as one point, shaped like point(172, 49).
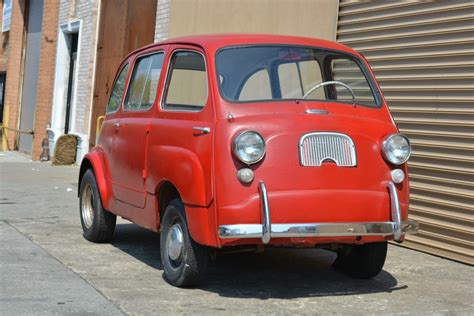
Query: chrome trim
point(316, 111)
point(164, 92)
point(204, 130)
point(267, 230)
point(410, 227)
point(384, 148)
point(175, 242)
point(334, 82)
point(297, 230)
point(332, 149)
point(129, 77)
point(234, 145)
point(395, 211)
point(267, 226)
point(87, 206)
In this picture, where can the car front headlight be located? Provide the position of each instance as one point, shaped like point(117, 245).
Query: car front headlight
point(396, 149)
point(249, 147)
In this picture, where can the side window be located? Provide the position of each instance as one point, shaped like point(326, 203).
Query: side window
point(144, 82)
point(257, 87)
point(117, 91)
point(187, 82)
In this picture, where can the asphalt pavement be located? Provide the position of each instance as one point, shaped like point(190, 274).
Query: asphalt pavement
point(47, 268)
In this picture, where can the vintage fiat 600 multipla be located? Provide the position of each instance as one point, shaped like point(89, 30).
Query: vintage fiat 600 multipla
point(249, 141)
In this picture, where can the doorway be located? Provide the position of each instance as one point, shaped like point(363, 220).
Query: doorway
point(68, 61)
point(3, 77)
point(73, 41)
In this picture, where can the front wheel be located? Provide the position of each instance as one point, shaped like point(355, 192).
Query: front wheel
point(184, 261)
point(362, 261)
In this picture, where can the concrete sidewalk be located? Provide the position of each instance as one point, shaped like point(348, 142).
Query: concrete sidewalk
point(34, 283)
point(39, 208)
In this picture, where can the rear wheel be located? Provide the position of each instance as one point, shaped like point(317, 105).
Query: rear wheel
point(362, 261)
point(184, 261)
point(98, 224)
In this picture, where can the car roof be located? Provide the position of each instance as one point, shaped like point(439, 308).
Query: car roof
point(216, 41)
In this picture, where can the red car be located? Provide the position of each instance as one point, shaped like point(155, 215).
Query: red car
point(248, 140)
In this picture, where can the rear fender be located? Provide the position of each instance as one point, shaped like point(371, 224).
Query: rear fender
point(181, 167)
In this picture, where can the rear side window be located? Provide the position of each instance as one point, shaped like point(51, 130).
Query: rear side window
point(256, 87)
point(144, 82)
point(297, 78)
point(187, 82)
point(117, 91)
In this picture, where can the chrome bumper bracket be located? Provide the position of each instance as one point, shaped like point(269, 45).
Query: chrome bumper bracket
point(266, 226)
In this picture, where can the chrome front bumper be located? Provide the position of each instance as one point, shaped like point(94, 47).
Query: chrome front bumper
point(267, 230)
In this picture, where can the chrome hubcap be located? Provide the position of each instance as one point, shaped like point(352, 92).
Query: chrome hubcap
point(87, 207)
point(174, 242)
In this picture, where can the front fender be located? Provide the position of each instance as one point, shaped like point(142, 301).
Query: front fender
point(183, 168)
point(97, 161)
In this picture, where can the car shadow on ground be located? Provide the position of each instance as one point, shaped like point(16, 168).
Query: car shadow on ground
point(276, 273)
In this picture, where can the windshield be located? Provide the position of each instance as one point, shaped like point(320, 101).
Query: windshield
point(273, 73)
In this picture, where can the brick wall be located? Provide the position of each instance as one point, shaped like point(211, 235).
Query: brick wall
point(12, 60)
point(162, 20)
point(4, 40)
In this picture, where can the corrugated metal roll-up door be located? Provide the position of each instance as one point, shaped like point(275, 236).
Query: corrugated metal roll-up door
point(423, 56)
point(31, 71)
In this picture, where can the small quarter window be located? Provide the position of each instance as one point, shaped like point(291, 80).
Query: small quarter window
point(143, 85)
point(117, 91)
point(187, 82)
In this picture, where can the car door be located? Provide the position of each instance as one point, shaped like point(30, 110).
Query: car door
point(185, 119)
point(128, 171)
point(113, 114)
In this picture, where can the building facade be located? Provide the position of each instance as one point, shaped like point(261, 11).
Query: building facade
point(422, 53)
point(27, 47)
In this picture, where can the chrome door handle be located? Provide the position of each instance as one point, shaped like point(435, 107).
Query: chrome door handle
point(204, 130)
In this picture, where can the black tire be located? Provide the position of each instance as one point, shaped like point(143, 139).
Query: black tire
point(98, 224)
point(362, 261)
point(189, 268)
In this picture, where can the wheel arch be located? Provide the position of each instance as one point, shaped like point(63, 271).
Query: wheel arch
point(95, 161)
point(197, 218)
point(165, 193)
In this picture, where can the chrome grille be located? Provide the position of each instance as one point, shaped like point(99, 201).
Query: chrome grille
point(315, 148)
